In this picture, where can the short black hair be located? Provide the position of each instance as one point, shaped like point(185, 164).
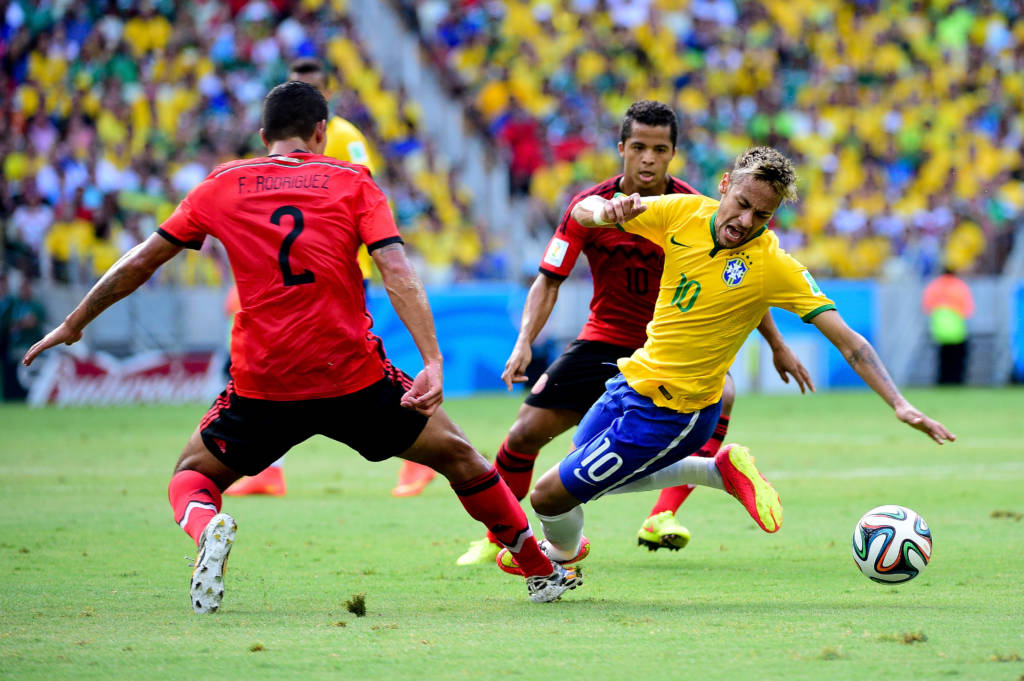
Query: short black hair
point(649, 112)
point(306, 65)
point(292, 109)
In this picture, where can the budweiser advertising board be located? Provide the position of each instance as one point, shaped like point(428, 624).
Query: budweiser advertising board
point(80, 377)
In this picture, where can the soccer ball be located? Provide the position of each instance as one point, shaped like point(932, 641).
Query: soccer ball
point(891, 544)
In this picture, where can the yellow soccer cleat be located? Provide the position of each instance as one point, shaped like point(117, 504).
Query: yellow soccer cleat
point(663, 530)
point(481, 552)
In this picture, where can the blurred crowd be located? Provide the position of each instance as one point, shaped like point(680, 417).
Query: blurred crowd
point(111, 111)
point(904, 116)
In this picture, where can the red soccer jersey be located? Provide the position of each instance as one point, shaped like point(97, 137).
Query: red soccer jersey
point(626, 269)
point(291, 226)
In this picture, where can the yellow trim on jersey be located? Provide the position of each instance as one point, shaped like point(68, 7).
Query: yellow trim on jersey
point(711, 299)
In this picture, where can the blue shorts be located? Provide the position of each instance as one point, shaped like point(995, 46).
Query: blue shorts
point(625, 437)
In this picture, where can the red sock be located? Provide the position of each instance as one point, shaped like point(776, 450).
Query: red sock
point(488, 499)
point(711, 447)
point(671, 498)
point(195, 499)
point(516, 469)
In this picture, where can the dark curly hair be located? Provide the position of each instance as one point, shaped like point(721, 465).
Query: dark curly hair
point(649, 112)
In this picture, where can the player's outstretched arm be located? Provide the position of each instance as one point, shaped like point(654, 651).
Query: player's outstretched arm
point(124, 276)
point(865, 361)
point(785, 360)
point(410, 302)
point(597, 211)
point(540, 301)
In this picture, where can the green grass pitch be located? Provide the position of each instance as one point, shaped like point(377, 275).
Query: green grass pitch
point(94, 572)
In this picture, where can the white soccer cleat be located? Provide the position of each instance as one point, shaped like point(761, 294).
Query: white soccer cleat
point(206, 590)
point(547, 588)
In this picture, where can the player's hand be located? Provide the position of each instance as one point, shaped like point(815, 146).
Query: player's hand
point(915, 418)
point(788, 364)
point(425, 394)
point(62, 334)
point(622, 208)
point(515, 365)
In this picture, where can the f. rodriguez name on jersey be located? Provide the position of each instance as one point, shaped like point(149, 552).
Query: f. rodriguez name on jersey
point(253, 184)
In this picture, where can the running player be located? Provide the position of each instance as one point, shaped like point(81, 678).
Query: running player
point(305, 360)
point(723, 270)
point(346, 143)
point(626, 269)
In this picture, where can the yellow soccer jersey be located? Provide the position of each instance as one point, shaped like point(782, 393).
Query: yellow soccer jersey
point(710, 300)
point(346, 143)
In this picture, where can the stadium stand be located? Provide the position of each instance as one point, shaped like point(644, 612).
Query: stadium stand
point(903, 116)
point(109, 117)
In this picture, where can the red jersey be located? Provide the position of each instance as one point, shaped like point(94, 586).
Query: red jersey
point(291, 226)
point(626, 269)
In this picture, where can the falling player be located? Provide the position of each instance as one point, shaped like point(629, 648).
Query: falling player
point(626, 270)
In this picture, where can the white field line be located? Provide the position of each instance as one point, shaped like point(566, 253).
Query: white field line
point(984, 471)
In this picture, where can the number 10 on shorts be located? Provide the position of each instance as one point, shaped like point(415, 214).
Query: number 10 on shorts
point(599, 464)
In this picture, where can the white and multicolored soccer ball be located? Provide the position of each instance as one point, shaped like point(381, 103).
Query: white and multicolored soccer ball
point(891, 544)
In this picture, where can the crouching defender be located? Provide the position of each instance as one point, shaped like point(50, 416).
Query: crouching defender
point(304, 359)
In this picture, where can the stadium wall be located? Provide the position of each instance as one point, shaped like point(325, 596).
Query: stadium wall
point(477, 324)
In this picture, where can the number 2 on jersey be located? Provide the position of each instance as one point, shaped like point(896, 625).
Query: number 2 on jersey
point(290, 278)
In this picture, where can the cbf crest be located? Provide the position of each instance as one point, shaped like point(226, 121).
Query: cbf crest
point(735, 270)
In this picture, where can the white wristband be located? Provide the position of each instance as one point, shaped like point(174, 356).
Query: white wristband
point(596, 206)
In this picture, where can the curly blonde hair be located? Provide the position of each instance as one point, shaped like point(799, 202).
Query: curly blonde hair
point(768, 165)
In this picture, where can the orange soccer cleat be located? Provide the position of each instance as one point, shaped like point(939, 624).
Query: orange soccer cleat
point(745, 482)
point(269, 481)
point(413, 478)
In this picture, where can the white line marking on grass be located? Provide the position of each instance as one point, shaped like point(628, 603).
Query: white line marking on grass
point(989, 471)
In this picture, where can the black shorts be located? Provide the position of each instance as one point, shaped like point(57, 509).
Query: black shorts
point(247, 434)
point(576, 379)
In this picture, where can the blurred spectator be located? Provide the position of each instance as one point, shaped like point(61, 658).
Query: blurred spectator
point(27, 229)
point(948, 303)
point(24, 326)
point(520, 133)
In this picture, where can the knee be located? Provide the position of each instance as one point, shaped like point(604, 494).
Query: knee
point(459, 461)
point(546, 498)
point(520, 436)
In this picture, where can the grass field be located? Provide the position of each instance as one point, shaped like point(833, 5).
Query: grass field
point(93, 570)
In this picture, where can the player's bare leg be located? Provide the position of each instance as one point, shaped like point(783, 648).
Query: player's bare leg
point(533, 429)
point(444, 447)
point(662, 529)
point(561, 515)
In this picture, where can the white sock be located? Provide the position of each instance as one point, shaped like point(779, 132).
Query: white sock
point(563, 533)
point(693, 470)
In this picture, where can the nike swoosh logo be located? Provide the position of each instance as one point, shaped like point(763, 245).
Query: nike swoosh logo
point(576, 472)
point(673, 240)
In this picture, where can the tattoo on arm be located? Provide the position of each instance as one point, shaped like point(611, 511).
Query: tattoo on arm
point(389, 247)
point(865, 360)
